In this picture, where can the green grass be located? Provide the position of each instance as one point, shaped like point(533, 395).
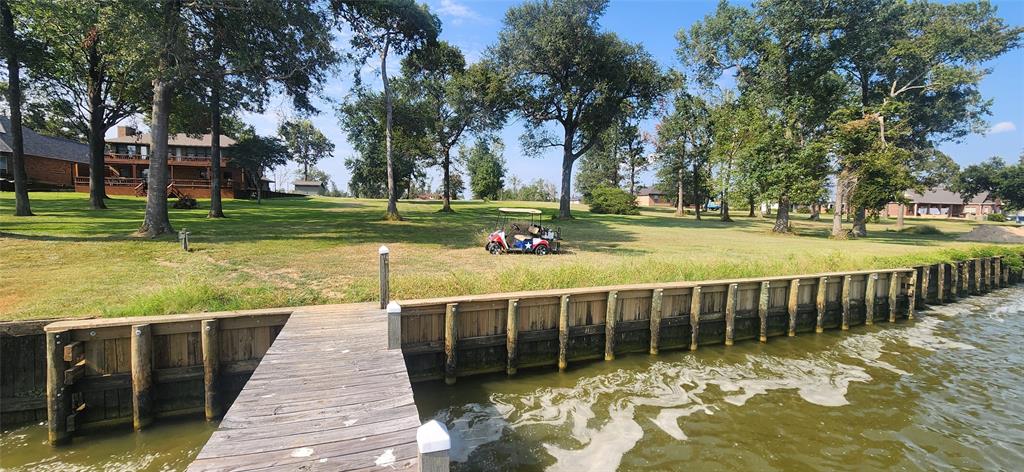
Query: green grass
point(69, 261)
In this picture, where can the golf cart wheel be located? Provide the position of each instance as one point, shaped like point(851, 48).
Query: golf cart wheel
point(541, 250)
point(494, 248)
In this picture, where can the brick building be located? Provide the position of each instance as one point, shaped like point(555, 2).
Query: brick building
point(49, 162)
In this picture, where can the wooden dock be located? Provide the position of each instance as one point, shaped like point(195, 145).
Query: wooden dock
point(328, 395)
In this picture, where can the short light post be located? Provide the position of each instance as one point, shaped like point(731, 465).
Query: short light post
point(384, 289)
point(433, 443)
point(183, 238)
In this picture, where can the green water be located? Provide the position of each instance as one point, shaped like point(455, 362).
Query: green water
point(166, 445)
point(942, 392)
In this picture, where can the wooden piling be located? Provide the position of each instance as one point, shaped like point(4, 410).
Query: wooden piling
point(451, 310)
point(385, 290)
point(997, 272)
point(730, 313)
point(563, 333)
point(954, 281)
point(209, 334)
point(142, 375)
point(894, 293)
point(870, 289)
point(912, 294)
point(965, 289)
point(762, 310)
point(926, 277)
point(610, 319)
point(846, 302)
point(989, 275)
point(695, 302)
point(941, 298)
point(820, 304)
point(656, 298)
point(977, 276)
point(512, 337)
point(794, 292)
point(58, 398)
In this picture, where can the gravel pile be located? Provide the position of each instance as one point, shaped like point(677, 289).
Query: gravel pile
point(995, 234)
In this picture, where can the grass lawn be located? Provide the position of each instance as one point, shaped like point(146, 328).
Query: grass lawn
point(69, 261)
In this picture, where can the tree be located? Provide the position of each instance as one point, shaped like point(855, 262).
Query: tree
point(683, 141)
point(94, 70)
point(12, 46)
point(255, 154)
point(457, 100)
point(1002, 181)
point(598, 168)
point(486, 168)
point(780, 54)
point(411, 143)
point(454, 189)
point(246, 54)
point(306, 144)
point(167, 40)
point(380, 28)
point(916, 67)
point(562, 69)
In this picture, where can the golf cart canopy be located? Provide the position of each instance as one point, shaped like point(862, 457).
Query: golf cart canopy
point(526, 211)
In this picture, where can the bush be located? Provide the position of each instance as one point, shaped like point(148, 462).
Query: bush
point(922, 230)
point(997, 217)
point(613, 201)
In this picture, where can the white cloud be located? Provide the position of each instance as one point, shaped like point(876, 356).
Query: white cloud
point(457, 10)
point(1002, 127)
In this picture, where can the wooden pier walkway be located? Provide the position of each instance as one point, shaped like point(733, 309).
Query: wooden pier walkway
point(328, 395)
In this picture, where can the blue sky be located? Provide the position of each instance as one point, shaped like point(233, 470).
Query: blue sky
point(474, 25)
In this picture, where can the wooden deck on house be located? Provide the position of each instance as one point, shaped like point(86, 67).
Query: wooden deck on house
point(328, 395)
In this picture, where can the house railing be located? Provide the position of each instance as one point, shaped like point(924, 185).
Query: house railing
point(135, 182)
point(144, 159)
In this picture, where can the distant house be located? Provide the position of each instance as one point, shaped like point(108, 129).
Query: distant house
point(49, 161)
point(649, 197)
point(310, 187)
point(943, 203)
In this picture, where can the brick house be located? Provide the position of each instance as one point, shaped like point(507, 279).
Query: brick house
point(649, 197)
point(49, 161)
point(940, 202)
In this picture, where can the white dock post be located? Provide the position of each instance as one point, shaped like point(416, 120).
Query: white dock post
point(394, 325)
point(385, 270)
point(433, 443)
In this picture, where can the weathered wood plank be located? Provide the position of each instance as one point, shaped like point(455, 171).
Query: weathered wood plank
point(656, 307)
point(142, 375)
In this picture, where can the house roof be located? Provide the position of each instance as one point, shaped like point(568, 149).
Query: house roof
point(646, 192)
point(312, 183)
point(43, 146)
point(180, 139)
point(943, 196)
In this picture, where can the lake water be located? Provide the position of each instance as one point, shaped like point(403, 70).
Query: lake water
point(944, 391)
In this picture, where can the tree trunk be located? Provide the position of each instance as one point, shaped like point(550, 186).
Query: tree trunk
point(680, 211)
point(696, 191)
point(837, 212)
point(565, 198)
point(750, 201)
point(725, 210)
point(392, 212)
point(860, 227)
point(446, 166)
point(900, 217)
point(97, 131)
point(216, 208)
point(815, 212)
point(157, 222)
point(21, 202)
point(782, 216)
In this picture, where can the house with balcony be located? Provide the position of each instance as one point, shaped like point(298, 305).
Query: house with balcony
point(129, 153)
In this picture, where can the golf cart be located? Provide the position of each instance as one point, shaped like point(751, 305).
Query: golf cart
point(519, 230)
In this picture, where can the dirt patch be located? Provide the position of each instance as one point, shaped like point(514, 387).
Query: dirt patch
point(995, 234)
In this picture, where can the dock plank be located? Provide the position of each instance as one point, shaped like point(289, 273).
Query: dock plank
point(328, 395)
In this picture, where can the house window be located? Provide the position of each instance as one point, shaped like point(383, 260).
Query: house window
point(4, 166)
point(227, 176)
point(204, 174)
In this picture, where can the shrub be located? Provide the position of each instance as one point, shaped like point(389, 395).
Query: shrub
point(612, 200)
point(997, 217)
point(922, 229)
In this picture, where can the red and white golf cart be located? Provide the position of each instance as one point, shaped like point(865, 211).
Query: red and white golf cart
point(519, 230)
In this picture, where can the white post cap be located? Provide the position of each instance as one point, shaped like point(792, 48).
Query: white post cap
point(383, 250)
point(394, 307)
point(432, 436)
